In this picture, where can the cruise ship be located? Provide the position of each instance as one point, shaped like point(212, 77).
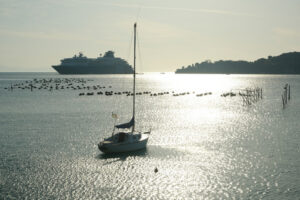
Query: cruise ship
point(107, 64)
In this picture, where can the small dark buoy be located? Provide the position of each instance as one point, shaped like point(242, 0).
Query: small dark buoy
point(155, 170)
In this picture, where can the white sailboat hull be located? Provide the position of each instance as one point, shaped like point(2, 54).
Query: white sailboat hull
point(109, 146)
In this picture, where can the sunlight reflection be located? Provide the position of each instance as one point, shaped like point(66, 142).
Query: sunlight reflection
point(197, 83)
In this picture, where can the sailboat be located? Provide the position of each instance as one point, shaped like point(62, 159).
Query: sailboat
point(128, 139)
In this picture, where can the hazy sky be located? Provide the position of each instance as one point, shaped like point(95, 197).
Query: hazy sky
point(35, 34)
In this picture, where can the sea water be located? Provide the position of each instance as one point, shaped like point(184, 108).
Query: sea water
point(204, 147)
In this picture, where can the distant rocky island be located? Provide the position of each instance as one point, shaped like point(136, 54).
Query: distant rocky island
point(286, 63)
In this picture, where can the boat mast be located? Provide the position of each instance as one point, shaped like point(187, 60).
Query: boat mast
point(134, 57)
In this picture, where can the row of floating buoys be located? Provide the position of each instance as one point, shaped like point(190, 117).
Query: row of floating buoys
point(55, 84)
point(128, 93)
point(158, 94)
point(181, 94)
point(231, 94)
point(203, 94)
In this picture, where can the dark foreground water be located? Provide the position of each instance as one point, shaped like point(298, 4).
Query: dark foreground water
point(208, 147)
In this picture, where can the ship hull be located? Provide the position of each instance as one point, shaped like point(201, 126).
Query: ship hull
point(77, 69)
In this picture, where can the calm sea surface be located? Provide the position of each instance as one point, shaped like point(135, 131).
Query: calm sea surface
point(207, 147)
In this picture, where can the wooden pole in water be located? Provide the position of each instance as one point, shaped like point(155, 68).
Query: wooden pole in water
point(286, 93)
point(289, 92)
